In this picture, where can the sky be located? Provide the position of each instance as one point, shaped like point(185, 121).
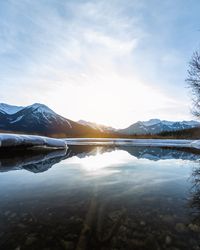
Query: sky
point(113, 62)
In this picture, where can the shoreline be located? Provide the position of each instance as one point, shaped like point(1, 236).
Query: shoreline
point(176, 143)
point(34, 141)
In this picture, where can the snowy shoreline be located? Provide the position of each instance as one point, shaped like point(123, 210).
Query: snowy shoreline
point(135, 142)
point(18, 140)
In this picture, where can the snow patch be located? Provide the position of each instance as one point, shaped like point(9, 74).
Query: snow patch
point(196, 144)
point(68, 123)
point(18, 119)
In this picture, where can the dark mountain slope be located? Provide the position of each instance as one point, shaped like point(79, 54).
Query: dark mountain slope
point(39, 119)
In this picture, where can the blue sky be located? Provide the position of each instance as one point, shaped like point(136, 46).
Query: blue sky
point(113, 62)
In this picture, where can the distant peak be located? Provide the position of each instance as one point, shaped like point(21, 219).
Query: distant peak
point(151, 122)
point(41, 108)
point(155, 120)
point(2, 104)
point(9, 109)
point(38, 105)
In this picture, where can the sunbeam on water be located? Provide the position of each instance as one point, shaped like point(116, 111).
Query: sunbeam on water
point(97, 197)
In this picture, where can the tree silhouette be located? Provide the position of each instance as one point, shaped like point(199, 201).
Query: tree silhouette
point(193, 81)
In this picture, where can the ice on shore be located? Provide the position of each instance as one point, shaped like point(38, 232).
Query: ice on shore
point(15, 140)
point(136, 142)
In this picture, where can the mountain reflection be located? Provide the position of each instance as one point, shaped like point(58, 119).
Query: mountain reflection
point(34, 161)
point(39, 161)
point(100, 197)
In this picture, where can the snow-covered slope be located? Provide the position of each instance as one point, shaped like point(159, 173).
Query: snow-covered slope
point(151, 122)
point(42, 113)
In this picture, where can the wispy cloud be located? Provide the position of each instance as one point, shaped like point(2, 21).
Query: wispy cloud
point(108, 61)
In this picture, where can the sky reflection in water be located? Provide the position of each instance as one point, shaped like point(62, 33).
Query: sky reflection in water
point(145, 192)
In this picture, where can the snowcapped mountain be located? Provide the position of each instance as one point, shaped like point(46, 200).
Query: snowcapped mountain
point(156, 126)
point(39, 119)
point(152, 126)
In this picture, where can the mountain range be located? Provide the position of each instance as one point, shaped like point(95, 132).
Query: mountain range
point(40, 119)
point(152, 126)
point(156, 126)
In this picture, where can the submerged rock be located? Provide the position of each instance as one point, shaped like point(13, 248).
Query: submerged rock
point(168, 240)
point(30, 239)
point(167, 218)
point(180, 227)
point(142, 223)
point(7, 213)
point(194, 227)
point(67, 245)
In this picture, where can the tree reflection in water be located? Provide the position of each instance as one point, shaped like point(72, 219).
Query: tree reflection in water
point(195, 195)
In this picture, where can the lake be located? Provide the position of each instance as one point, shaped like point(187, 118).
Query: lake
point(100, 197)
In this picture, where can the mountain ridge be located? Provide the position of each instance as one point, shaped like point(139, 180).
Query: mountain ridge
point(157, 126)
point(40, 119)
point(152, 126)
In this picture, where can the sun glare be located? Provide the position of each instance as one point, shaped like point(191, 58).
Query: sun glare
point(100, 164)
point(104, 99)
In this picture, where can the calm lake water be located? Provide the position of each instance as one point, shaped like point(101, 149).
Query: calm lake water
point(100, 198)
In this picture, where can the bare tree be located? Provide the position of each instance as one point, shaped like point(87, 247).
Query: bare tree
point(193, 81)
